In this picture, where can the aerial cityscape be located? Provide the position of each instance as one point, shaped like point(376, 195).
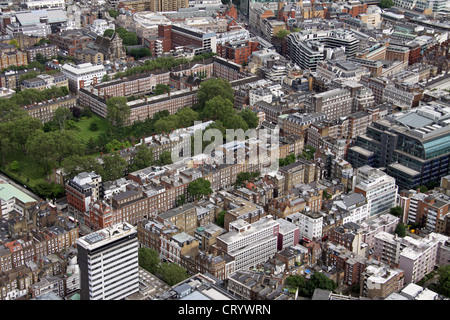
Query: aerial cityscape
point(225, 150)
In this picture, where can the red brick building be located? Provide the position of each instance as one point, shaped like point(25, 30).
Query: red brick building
point(162, 42)
point(356, 10)
point(414, 54)
point(237, 51)
point(231, 12)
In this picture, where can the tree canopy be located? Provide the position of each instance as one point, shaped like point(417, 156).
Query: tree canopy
point(51, 148)
point(214, 87)
point(396, 211)
point(165, 158)
point(118, 111)
point(199, 188)
point(386, 3)
point(249, 117)
point(282, 33)
point(143, 158)
point(114, 167)
point(443, 284)
point(148, 259)
point(400, 230)
point(220, 221)
point(306, 287)
point(140, 53)
point(218, 108)
point(170, 273)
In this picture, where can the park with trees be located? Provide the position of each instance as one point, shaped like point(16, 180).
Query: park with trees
point(170, 273)
point(74, 139)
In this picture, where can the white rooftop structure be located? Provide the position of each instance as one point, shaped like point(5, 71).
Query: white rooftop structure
point(103, 237)
point(38, 16)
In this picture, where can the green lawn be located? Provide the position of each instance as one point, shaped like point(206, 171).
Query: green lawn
point(29, 173)
point(84, 134)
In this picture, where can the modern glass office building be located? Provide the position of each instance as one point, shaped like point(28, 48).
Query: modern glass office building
point(413, 147)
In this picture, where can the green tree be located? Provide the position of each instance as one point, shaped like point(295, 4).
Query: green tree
point(76, 164)
point(221, 218)
point(282, 34)
point(116, 145)
point(319, 281)
point(140, 53)
point(22, 128)
point(143, 158)
point(93, 126)
point(218, 108)
point(49, 190)
point(129, 38)
point(172, 273)
point(400, 230)
point(118, 112)
point(41, 58)
point(246, 176)
point(181, 200)
point(61, 116)
point(43, 41)
point(6, 145)
point(51, 148)
point(14, 166)
point(108, 33)
point(307, 153)
point(423, 189)
point(286, 161)
point(167, 125)
point(396, 211)
point(249, 117)
point(41, 149)
point(28, 75)
point(443, 284)
point(161, 88)
point(199, 188)
point(297, 282)
point(65, 145)
point(212, 88)
point(149, 259)
point(165, 158)
point(235, 121)
point(386, 3)
point(113, 13)
point(186, 117)
point(114, 167)
point(106, 78)
point(14, 42)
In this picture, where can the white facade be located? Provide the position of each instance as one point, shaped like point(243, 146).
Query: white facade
point(379, 189)
point(397, 96)
point(310, 225)
point(250, 244)
point(256, 95)
point(40, 30)
point(289, 232)
point(420, 256)
point(224, 37)
point(417, 257)
point(356, 206)
point(99, 26)
point(39, 4)
point(108, 262)
point(83, 75)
